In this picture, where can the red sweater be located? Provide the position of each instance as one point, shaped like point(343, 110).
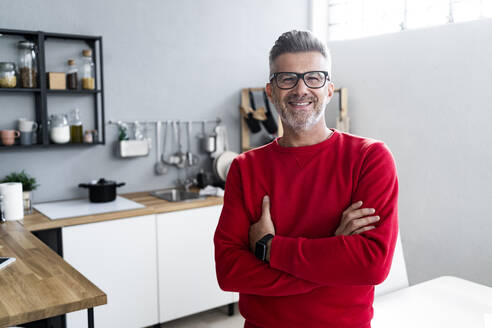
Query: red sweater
point(314, 278)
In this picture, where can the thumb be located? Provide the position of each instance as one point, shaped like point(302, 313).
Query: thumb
point(265, 206)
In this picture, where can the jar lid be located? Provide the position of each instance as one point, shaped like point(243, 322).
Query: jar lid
point(25, 44)
point(71, 62)
point(87, 53)
point(7, 66)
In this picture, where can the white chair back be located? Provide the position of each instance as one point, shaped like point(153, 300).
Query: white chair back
point(397, 278)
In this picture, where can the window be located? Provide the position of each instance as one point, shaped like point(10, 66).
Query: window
point(348, 19)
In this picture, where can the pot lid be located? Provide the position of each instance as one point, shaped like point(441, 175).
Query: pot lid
point(102, 182)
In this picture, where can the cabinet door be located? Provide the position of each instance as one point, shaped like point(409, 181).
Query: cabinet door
point(187, 280)
point(119, 257)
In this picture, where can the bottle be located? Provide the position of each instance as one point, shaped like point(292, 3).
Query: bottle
point(76, 133)
point(72, 75)
point(27, 65)
point(88, 77)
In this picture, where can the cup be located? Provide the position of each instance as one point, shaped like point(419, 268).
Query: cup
point(27, 126)
point(8, 137)
point(26, 138)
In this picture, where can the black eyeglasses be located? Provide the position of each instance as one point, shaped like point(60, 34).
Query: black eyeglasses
point(312, 79)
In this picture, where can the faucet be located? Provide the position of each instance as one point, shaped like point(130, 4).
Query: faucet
point(186, 183)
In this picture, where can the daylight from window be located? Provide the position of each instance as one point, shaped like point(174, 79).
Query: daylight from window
point(349, 19)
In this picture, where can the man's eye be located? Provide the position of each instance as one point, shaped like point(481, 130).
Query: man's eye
point(287, 79)
point(313, 79)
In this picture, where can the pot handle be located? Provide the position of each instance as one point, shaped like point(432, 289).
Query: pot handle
point(120, 184)
point(83, 185)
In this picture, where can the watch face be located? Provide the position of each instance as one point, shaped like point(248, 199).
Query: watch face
point(260, 251)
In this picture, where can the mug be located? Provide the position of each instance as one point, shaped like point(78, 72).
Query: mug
point(26, 138)
point(8, 137)
point(27, 126)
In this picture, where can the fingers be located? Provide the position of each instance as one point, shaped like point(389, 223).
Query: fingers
point(265, 206)
point(356, 224)
point(361, 230)
point(352, 207)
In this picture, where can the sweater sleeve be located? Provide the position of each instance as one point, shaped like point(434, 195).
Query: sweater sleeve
point(362, 259)
point(237, 268)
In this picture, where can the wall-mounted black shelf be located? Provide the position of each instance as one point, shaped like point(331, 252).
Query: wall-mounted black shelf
point(41, 94)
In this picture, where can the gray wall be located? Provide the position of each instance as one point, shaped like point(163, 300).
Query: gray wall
point(163, 60)
point(426, 94)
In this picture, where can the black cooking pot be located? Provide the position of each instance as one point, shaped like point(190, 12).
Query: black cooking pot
point(102, 190)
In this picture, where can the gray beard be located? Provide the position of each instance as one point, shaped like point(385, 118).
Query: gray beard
point(300, 121)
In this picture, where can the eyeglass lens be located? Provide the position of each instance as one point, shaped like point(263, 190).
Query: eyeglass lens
point(312, 79)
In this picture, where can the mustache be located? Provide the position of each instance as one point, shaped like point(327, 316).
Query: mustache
point(295, 98)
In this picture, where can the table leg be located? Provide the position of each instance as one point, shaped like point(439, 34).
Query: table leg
point(90, 317)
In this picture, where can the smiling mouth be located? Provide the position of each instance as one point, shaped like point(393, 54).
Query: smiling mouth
point(300, 105)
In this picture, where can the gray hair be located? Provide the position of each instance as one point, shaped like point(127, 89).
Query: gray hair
point(298, 41)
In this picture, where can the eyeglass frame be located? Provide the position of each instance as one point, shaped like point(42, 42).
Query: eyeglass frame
point(300, 76)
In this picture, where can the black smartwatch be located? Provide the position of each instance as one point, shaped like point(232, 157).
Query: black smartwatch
point(261, 247)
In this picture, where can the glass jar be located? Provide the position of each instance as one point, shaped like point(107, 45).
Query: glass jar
point(8, 78)
point(28, 67)
point(88, 74)
point(72, 75)
point(59, 128)
point(76, 131)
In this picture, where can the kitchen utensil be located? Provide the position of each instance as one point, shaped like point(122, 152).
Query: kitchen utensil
point(27, 126)
point(223, 163)
point(173, 159)
point(253, 124)
point(8, 137)
point(269, 124)
point(83, 207)
point(159, 167)
point(102, 190)
point(181, 157)
point(192, 159)
point(26, 138)
point(207, 140)
point(221, 143)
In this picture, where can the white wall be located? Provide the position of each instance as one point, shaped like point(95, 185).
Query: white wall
point(426, 93)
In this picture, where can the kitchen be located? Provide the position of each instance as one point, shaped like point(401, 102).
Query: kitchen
point(422, 91)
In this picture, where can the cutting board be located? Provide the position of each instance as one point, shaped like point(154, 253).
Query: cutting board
point(82, 207)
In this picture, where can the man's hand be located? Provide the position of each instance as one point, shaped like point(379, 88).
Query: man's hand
point(263, 227)
point(354, 220)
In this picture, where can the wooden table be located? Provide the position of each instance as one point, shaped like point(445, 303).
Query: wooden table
point(442, 302)
point(39, 284)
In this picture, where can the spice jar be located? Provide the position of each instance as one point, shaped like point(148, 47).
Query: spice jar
point(72, 75)
point(28, 68)
point(88, 75)
point(7, 75)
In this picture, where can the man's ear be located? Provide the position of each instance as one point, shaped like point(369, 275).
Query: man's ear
point(268, 90)
point(331, 89)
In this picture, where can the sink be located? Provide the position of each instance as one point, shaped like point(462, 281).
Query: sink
point(176, 195)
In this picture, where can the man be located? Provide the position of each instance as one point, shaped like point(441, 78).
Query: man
point(288, 239)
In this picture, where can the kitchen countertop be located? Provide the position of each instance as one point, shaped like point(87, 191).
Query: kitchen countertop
point(39, 284)
point(153, 205)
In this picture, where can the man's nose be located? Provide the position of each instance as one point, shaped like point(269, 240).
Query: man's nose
point(301, 88)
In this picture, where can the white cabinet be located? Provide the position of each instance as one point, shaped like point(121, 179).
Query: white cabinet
point(187, 280)
point(119, 257)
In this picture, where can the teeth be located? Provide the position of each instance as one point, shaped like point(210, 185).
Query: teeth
point(301, 104)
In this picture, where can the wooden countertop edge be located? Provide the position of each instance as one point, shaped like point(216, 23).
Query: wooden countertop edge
point(34, 259)
point(53, 311)
point(37, 221)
